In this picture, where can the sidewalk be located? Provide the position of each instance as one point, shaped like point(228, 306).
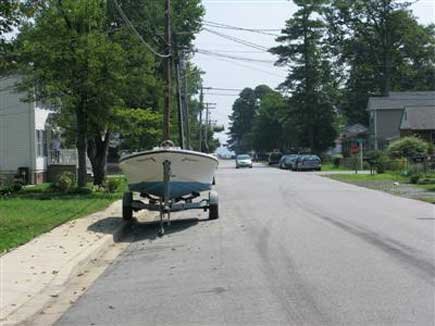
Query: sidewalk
point(32, 274)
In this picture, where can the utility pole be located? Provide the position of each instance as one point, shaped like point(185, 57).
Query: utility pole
point(168, 100)
point(208, 107)
point(185, 101)
point(180, 106)
point(201, 107)
point(206, 128)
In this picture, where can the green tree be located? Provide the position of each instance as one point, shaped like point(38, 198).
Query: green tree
point(148, 19)
point(86, 60)
point(408, 147)
point(381, 47)
point(268, 128)
point(303, 50)
point(139, 129)
point(9, 19)
point(242, 119)
point(75, 66)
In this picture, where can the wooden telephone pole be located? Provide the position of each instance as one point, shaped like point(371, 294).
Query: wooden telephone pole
point(168, 73)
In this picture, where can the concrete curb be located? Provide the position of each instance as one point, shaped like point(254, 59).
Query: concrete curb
point(40, 300)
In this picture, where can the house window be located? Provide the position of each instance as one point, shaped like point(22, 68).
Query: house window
point(41, 143)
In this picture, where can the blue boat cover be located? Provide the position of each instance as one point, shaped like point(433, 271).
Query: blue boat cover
point(176, 188)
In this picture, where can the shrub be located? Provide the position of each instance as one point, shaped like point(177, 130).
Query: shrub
point(408, 147)
point(112, 184)
point(430, 149)
point(397, 165)
point(336, 160)
point(379, 160)
point(81, 191)
point(16, 186)
point(415, 179)
point(8, 187)
point(65, 183)
point(426, 181)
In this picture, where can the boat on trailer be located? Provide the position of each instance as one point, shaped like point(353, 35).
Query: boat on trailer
point(190, 172)
point(169, 179)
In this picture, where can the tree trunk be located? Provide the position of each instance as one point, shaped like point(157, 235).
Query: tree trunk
point(97, 152)
point(81, 146)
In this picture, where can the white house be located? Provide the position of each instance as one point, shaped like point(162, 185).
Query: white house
point(23, 135)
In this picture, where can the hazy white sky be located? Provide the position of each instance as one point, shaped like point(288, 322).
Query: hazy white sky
point(267, 14)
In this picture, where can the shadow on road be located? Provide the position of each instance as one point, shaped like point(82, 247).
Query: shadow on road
point(138, 231)
point(150, 230)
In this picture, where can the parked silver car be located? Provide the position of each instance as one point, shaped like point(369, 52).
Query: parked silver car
point(308, 162)
point(288, 161)
point(243, 161)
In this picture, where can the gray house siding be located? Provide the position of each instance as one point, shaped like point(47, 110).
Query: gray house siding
point(386, 114)
point(388, 122)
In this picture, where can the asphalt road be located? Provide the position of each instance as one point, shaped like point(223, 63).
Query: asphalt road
point(289, 249)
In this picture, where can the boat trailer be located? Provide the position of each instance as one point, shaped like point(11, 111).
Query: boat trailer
point(165, 206)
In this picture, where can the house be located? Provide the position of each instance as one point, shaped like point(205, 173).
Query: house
point(30, 148)
point(419, 121)
point(23, 134)
point(351, 138)
point(386, 114)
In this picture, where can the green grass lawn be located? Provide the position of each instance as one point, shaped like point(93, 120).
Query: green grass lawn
point(36, 210)
point(367, 177)
point(385, 182)
point(332, 167)
point(430, 187)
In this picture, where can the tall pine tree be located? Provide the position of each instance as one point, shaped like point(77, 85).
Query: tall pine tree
point(381, 48)
point(310, 79)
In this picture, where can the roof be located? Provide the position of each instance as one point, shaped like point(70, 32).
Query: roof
point(400, 100)
point(418, 118)
point(354, 130)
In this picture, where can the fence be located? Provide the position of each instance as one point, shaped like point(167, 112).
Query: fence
point(66, 157)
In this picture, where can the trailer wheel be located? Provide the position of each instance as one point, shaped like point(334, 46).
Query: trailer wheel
point(213, 212)
point(127, 210)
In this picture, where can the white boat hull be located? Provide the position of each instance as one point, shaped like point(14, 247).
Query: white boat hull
point(191, 172)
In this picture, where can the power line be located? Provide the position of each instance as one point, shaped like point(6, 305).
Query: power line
point(243, 29)
point(130, 24)
point(238, 40)
point(210, 53)
point(234, 51)
point(249, 67)
point(218, 94)
point(223, 89)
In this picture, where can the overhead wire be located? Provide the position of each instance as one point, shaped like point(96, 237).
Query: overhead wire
point(249, 67)
point(130, 24)
point(238, 40)
point(246, 59)
point(234, 51)
point(243, 29)
point(224, 89)
point(222, 94)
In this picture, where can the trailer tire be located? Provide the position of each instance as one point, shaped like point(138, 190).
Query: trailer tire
point(213, 212)
point(127, 210)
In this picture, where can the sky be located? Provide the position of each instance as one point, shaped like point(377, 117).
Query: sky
point(257, 14)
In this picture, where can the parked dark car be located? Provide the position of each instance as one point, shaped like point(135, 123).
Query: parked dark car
point(308, 162)
point(274, 158)
point(288, 162)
